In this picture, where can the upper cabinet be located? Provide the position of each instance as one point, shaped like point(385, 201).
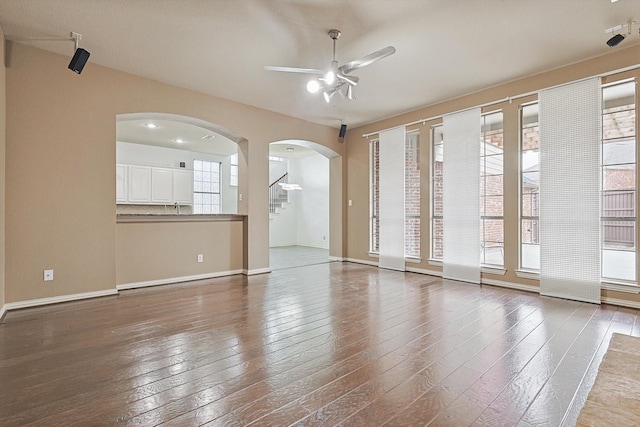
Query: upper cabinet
point(121, 183)
point(161, 185)
point(183, 186)
point(137, 184)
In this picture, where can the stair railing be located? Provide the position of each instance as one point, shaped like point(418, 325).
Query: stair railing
point(276, 194)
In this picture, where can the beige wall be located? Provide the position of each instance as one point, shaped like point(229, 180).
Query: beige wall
point(165, 250)
point(2, 166)
point(358, 156)
point(60, 174)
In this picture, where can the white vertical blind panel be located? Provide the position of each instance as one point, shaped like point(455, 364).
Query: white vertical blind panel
point(570, 152)
point(391, 196)
point(461, 198)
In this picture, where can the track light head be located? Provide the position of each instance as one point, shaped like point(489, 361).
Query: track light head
point(615, 40)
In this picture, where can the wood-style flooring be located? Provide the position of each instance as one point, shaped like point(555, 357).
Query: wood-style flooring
point(331, 344)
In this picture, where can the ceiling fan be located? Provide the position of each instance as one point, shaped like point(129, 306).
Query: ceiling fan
point(337, 79)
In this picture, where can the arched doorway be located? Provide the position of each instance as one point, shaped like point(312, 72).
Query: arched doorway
point(299, 203)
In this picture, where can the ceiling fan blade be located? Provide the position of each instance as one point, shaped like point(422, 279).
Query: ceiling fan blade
point(294, 70)
point(367, 60)
point(351, 80)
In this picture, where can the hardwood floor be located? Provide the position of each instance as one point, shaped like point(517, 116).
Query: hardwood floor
point(335, 344)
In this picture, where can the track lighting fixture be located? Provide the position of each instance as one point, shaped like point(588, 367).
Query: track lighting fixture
point(80, 56)
point(618, 37)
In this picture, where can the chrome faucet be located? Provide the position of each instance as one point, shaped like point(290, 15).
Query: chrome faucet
point(176, 205)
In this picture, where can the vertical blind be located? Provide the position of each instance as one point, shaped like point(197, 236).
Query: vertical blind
point(570, 152)
point(461, 198)
point(391, 197)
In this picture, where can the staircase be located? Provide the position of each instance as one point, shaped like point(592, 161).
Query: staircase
point(278, 198)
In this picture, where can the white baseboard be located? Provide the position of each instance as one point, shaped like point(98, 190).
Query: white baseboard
point(620, 302)
point(361, 261)
point(3, 311)
point(425, 271)
point(511, 285)
point(336, 258)
point(256, 271)
point(172, 280)
point(62, 298)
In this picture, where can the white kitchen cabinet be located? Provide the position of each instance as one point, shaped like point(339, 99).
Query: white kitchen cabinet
point(162, 185)
point(149, 185)
point(121, 183)
point(139, 184)
point(183, 187)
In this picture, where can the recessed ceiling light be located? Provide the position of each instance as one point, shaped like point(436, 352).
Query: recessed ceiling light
point(208, 137)
point(151, 125)
point(179, 141)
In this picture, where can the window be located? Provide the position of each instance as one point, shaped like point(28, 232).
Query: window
point(412, 195)
point(206, 187)
point(529, 187)
point(437, 193)
point(618, 218)
point(374, 210)
point(233, 170)
point(491, 190)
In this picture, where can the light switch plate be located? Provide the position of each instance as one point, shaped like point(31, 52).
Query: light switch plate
point(48, 275)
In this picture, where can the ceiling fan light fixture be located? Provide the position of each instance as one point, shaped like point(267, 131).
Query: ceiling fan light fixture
point(328, 94)
point(349, 93)
point(313, 86)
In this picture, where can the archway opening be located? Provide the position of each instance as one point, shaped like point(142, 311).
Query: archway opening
point(299, 203)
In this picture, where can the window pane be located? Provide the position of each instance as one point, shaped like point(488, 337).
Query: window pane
point(619, 204)
point(437, 246)
point(619, 264)
point(491, 206)
point(530, 231)
point(529, 187)
point(492, 185)
point(491, 190)
point(619, 177)
point(619, 235)
point(492, 241)
point(412, 195)
point(619, 182)
point(374, 208)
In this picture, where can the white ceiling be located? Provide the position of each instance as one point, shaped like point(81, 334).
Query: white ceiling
point(445, 48)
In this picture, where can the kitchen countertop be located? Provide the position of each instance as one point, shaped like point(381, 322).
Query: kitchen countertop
point(177, 218)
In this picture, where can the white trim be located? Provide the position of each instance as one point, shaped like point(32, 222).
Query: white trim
point(3, 311)
point(425, 271)
point(435, 262)
point(62, 298)
point(528, 274)
point(621, 302)
point(336, 258)
point(172, 280)
point(373, 254)
point(511, 285)
point(255, 271)
point(499, 271)
point(413, 259)
point(630, 289)
point(361, 261)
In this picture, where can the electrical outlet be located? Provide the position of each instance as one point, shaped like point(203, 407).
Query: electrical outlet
point(200, 258)
point(48, 275)
point(350, 202)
